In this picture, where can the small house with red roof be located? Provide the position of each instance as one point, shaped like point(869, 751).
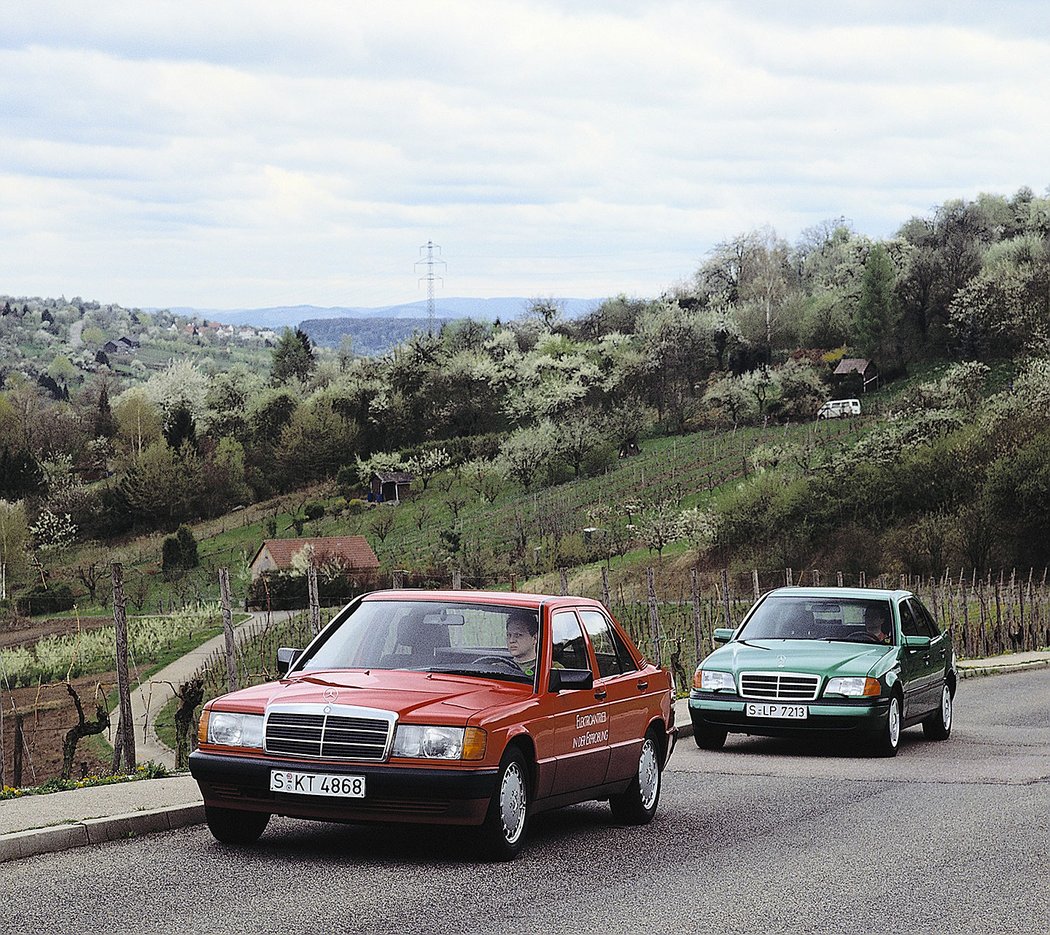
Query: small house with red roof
point(351, 552)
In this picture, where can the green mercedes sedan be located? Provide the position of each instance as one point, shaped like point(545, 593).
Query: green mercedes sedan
point(853, 662)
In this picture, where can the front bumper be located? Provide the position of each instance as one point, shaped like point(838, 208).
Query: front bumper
point(724, 711)
point(393, 793)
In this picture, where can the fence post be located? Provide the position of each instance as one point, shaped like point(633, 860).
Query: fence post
point(315, 603)
point(788, 578)
point(725, 595)
point(838, 578)
point(514, 581)
point(698, 626)
point(457, 579)
point(398, 580)
point(19, 744)
point(227, 629)
point(564, 581)
point(606, 598)
point(754, 583)
point(654, 614)
point(120, 626)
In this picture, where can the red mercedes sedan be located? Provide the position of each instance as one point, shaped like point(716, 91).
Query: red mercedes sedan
point(444, 707)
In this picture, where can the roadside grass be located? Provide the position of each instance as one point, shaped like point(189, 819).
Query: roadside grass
point(143, 771)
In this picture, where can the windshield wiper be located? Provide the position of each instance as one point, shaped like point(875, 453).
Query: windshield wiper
point(855, 638)
point(498, 673)
point(755, 645)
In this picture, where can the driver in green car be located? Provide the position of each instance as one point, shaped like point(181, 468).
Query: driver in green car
point(877, 623)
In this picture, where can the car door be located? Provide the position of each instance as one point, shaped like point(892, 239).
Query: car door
point(940, 651)
point(580, 718)
point(918, 667)
point(625, 698)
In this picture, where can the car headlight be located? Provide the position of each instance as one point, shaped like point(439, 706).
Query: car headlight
point(710, 680)
point(854, 686)
point(235, 730)
point(439, 743)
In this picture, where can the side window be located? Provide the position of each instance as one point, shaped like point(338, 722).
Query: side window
point(925, 618)
point(909, 625)
point(570, 650)
point(603, 638)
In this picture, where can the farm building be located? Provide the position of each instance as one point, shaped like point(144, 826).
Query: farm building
point(352, 552)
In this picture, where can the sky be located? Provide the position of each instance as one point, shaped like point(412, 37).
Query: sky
point(253, 153)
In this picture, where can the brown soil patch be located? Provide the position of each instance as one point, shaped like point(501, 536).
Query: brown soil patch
point(25, 631)
point(48, 713)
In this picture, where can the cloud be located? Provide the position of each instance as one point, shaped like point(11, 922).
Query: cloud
point(254, 152)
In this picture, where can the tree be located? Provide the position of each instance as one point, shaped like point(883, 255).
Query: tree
point(428, 463)
point(105, 423)
point(179, 552)
point(138, 420)
point(179, 428)
point(20, 474)
point(878, 314)
point(52, 532)
point(293, 358)
point(526, 453)
point(14, 534)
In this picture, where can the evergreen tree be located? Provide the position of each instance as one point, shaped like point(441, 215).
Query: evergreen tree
point(105, 424)
point(878, 314)
point(20, 475)
point(293, 357)
point(179, 428)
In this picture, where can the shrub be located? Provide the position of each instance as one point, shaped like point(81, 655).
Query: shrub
point(179, 551)
point(47, 600)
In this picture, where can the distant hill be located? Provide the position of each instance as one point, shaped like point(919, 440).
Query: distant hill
point(371, 336)
point(292, 315)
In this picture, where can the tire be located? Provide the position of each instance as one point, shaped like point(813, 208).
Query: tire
point(888, 739)
point(506, 822)
point(637, 805)
point(709, 738)
point(938, 726)
point(233, 826)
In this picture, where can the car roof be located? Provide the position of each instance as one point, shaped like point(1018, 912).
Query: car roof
point(870, 594)
point(505, 598)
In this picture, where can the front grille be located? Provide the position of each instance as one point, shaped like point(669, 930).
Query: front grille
point(305, 730)
point(783, 686)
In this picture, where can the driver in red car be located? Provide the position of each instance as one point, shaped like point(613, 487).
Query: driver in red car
point(522, 630)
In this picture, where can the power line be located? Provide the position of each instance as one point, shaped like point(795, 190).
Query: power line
point(430, 261)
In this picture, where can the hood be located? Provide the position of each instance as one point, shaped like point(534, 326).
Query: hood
point(814, 657)
point(419, 697)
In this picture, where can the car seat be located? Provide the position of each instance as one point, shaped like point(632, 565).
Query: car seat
point(417, 642)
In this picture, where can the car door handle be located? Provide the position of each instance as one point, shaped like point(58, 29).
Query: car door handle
point(600, 694)
point(643, 685)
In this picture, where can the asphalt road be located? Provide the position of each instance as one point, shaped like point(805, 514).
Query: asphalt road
point(764, 836)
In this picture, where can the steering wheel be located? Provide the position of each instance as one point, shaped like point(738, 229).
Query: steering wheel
point(499, 660)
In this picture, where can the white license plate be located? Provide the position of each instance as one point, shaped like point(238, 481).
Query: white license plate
point(792, 711)
point(346, 787)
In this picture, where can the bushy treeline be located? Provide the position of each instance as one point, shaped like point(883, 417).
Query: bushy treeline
point(752, 337)
point(955, 480)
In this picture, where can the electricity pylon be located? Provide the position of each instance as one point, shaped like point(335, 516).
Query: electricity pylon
point(430, 261)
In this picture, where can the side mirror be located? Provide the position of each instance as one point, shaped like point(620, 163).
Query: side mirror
point(571, 679)
point(286, 658)
point(723, 634)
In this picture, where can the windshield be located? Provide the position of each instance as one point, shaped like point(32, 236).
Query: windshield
point(432, 636)
point(853, 620)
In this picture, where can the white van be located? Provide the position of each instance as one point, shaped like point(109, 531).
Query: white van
point(837, 408)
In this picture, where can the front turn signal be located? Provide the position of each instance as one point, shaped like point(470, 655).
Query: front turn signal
point(475, 742)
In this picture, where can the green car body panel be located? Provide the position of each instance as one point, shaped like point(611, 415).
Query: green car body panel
point(913, 667)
